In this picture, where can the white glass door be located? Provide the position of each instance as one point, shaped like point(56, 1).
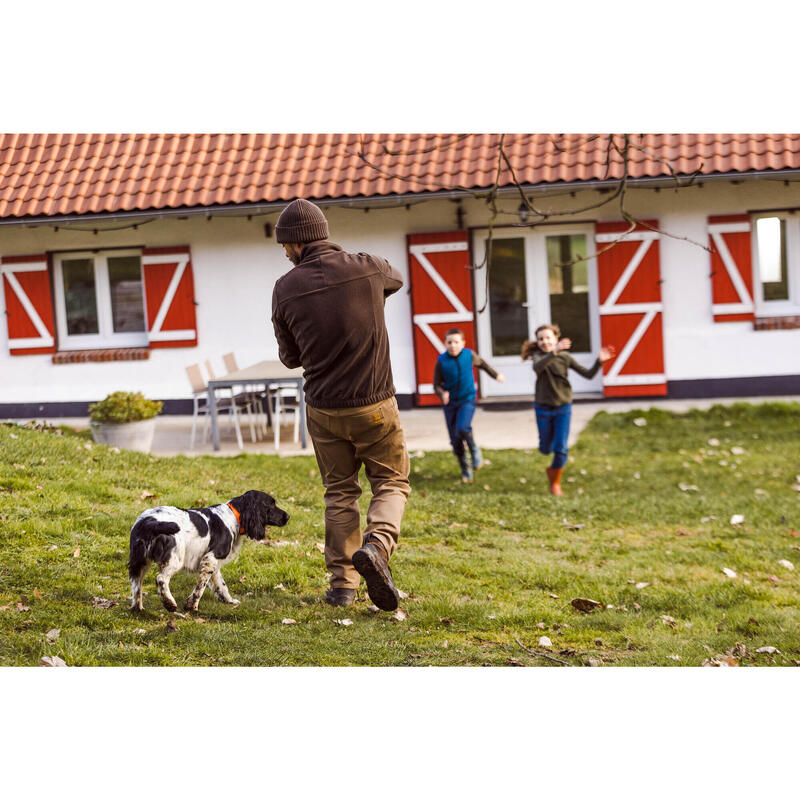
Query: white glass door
point(534, 278)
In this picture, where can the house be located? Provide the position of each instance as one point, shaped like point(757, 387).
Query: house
point(126, 258)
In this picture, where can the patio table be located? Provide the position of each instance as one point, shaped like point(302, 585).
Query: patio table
point(266, 372)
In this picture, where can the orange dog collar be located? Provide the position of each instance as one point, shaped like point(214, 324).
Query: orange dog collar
point(237, 515)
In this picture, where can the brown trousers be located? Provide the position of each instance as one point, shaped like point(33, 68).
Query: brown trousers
point(344, 439)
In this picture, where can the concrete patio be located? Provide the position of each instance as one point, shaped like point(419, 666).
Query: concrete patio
point(424, 427)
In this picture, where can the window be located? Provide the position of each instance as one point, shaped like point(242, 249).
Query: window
point(508, 295)
point(568, 275)
point(99, 300)
point(777, 264)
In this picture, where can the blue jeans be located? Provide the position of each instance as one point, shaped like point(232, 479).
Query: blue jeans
point(553, 424)
point(458, 416)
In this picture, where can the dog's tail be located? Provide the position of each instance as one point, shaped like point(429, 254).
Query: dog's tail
point(151, 540)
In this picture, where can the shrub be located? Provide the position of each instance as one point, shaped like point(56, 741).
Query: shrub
point(119, 407)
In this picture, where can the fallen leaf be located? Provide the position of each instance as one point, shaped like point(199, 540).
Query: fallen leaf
point(344, 622)
point(683, 532)
point(458, 525)
point(674, 656)
point(575, 527)
point(23, 607)
point(242, 578)
point(320, 546)
point(279, 586)
point(101, 602)
point(768, 649)
point(77, 553)
point(707, 519)
point(773, 578)
point(713, 442)
point(13, 435)
point(513, 662)
point(594, 662)
point(737, 451)
point(544, 641)
point(642, 585)
point(139, 631)
point(399, 615)
point(487, 487)
point(402, 595)
point(737, 519)
point(688, 487)
point(585, 604)
point(668, 620)
point(37, 594)
point(446, 620)
point(786, 563)
point(52, 661)
point(523, 480)
point(171, 626)
point(640, 422)
point(146, 495)
point(53, 547)
point(373, 609)
point(553, 596)
point(52, 634)
point(415, 655)
point(200, 619)
point(729, 572)
point(5, 608)
point(288, 621)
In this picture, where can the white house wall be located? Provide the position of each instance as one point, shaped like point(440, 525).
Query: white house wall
point(236, 266)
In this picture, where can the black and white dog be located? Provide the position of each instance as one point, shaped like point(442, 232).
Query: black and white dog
point(196, 540)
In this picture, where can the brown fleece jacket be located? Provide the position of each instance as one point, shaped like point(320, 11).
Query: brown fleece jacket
point(327, 313)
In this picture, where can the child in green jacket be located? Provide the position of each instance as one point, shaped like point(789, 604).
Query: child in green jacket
point(553, 402)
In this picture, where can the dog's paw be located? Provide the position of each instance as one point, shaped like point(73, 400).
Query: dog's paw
point(190, 605)
point(234, 602)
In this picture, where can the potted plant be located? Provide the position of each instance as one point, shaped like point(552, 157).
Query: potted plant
point(125, 420)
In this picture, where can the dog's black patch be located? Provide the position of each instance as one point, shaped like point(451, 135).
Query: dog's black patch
point(151, 540)
point(199, 521)
point(221, 538)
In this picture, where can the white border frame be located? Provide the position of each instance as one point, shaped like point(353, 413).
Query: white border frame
point(105, 338)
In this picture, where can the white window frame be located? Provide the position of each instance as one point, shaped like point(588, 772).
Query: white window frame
point(538, 305)
point(778, 308)
point(105, 338)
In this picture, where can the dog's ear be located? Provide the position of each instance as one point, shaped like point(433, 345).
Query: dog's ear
point(253, 508)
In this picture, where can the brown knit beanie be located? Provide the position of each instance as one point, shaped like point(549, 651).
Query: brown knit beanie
point(301, 221)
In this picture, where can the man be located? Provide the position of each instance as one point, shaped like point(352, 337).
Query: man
point(328, 318)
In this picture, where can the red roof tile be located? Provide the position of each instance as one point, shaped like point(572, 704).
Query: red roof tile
point(60, 174)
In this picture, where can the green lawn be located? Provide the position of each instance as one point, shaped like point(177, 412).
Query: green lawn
point(488, 568)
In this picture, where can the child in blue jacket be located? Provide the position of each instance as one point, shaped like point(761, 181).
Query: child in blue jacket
point(454, 383)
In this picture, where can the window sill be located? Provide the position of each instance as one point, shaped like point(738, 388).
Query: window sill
point(111, 354)
point(782, 323)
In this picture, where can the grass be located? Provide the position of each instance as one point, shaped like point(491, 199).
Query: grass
point(484, 565)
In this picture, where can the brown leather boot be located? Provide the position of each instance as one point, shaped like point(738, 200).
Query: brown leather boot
point(372, 563)
point(554, 476)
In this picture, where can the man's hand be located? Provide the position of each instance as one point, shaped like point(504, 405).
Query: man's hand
point(445, 398)
point(501, 378)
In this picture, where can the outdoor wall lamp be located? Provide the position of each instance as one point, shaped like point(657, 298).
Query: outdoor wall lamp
point(523, 212)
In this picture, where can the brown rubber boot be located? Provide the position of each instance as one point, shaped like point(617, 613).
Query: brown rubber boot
point(554, 476)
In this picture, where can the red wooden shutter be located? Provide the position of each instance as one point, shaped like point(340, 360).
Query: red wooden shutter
point(441, 298)
point(29, 305)
point(169, 297)
point(731, 268)
point(631, 311)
